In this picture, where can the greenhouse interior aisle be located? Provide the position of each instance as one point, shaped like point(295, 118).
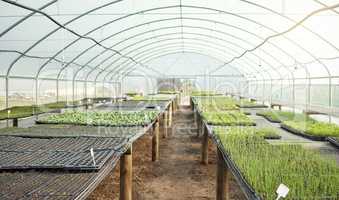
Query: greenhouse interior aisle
point(179, 173)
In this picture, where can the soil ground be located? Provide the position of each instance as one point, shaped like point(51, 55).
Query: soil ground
point(177, 175)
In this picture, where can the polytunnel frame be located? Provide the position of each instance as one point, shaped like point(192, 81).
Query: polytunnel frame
point(330, 85)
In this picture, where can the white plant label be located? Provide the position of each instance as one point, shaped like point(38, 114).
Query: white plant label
point(282, 191)
point(92, 154)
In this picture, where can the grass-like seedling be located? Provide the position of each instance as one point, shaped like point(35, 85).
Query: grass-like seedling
point(138, 118)
point(230, 118)
point(280, 116)
point(204, 93)
point(245, 103)
point(307, 173)
point(157, 97)
point(267, 133)
point(314, 128)
point(214, 104)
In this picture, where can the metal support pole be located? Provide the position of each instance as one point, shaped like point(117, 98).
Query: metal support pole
point(57, 90)
point(330, 95)
point(73, 90)
point(222, 191)
point(155, 141)
point(95, 89)
point(7, 85)
point(36, 91)
point(126, 175)
point(293, 93)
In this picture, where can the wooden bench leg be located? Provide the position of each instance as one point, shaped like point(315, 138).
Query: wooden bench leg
point(126, 175)
point(204, 148)
point(155, 142)
point(164, 125)
point(222, 191)
point(15, 122)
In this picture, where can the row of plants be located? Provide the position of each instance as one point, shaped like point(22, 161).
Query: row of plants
point(229, 118)
point(280, 116)
point(114, 118)
point(168, 92)
point(266, 133)
point(245, 103)
point(26, 111)
point(307, 173)
point(217, 103)
point(204, 93)
point(313, 128)
point(156, 97)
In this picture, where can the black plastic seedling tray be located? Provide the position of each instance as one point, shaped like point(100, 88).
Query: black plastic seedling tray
point(333, 141)
point(300, 133)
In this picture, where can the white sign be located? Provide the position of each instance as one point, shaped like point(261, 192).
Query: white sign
point(92, 154)
point(282, 191)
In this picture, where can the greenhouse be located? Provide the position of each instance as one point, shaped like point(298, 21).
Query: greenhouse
point(171, 99)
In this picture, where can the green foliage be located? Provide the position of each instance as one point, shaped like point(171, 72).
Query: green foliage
point(217, 103)
point(308, 174)
point(157, 97)
point(281, 116)
point(132, 94)
point(168, 92)
point(204, 93)
point(314, 128)
point(103, 118)
point(20, 112)
point(267, 133)
point(247, 103)
point(230, 118)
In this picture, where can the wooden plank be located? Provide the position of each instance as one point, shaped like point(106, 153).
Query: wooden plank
point(126, 178)
point(222, 190)
point(155, 142)
point(204, 147)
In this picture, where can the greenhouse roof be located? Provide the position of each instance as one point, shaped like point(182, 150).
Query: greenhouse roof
point(100, 40)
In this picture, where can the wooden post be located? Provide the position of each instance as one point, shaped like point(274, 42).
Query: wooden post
point(126, 175)
point(164, 125)
point(199, 126)
point(222, 192)
point(170, 115)
point(15, 122)
point(204, 147)
point(155, 141)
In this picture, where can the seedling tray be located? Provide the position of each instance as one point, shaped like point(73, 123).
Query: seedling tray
point(18, 153)
point(268, 118)
point(247, 189)
point(251, 106)
point(301, 133)
point(333, 141)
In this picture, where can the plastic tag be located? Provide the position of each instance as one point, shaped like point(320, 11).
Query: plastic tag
point(282, 191)
point(92, 154)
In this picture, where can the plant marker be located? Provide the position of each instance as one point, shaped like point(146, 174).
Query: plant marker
point(92, 154)
point(282, 191)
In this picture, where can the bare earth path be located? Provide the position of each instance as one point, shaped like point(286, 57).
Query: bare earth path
point(177, 175)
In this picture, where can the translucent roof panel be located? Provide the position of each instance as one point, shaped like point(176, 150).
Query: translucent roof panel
point(98, 40)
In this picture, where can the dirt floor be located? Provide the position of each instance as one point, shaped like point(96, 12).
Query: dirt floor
point(177, 175)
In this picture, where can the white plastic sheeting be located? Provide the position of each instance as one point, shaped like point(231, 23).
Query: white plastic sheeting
point(272, 44)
